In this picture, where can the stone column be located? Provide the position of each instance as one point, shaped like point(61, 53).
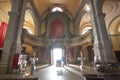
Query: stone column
point(67, 59)
point(102, 44)
point(12, 42)
point(68, 26)
point(76, 29)
point(49, 55)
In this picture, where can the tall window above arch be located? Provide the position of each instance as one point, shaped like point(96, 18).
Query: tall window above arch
point(57, 9)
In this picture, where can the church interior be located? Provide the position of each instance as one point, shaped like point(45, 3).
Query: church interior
point(83, 33)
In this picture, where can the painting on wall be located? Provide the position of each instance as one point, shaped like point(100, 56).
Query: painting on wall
point(57, 28)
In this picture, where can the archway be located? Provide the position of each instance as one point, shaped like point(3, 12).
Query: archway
point(114, 30)
point(57, 54)
point(29, 24)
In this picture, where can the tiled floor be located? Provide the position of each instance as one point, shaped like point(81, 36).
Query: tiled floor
point(57, 73)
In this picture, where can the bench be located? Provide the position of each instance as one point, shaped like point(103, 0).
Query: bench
point(106, 76)
point(94, 78)
point(113, 67)
point(18, 78)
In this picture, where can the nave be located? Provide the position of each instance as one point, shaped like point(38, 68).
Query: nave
point(51, 72)
point(71, 72)
point(57, 73)
point(87, 33)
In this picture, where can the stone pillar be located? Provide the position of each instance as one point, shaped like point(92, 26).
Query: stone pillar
point(76, 29)
point(47, 28)
point(67, 59)
point(67, 27)
point(49, 55)
point(12, 42)
point(102, 44)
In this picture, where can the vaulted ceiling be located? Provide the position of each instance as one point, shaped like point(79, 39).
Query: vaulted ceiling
point(70, 6)
point(42, 6)
point(5, 6)
point(67, 5)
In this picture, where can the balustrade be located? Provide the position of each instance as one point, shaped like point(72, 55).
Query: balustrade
point(61, 41)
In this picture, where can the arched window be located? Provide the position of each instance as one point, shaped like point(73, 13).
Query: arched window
point(85, 30)
point(28, 29)
point(57, 9)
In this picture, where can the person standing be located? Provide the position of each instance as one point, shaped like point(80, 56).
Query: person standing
point(32, 65)
point(67, 61)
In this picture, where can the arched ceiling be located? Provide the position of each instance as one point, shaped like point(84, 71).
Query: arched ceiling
point(70, 5)
point(29, 22)
point(43, 5)
point(5, 6)
point(114, 28)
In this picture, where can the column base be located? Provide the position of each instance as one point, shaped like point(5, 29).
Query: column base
point(3, 68)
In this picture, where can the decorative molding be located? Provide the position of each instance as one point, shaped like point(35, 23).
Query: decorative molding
point(77, 41)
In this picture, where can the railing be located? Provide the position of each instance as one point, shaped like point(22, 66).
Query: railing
point(84, 39)
point(80, 40)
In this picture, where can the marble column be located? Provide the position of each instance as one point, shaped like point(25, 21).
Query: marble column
point(12, 42)
point(102, 44)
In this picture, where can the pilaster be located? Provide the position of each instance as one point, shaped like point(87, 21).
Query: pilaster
point(102, 44)
point(12, 42)
point(49, 55)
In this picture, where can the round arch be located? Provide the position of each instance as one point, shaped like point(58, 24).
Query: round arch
point(84, 28)
point(84, 21)
point(29, 21)
point(114, 30)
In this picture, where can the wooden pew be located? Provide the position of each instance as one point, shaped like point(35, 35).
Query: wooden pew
point(18, 78)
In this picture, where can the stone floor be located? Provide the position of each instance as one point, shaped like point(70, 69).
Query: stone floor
point(57, 73)
point(71, 72)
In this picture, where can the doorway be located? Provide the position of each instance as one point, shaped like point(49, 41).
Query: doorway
point(57, 54)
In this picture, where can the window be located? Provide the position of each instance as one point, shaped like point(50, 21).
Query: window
point(57, 9)
point(87, 8)
point(29, 31)
point(86, 29)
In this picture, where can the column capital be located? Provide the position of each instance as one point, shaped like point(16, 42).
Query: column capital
point(100, 14)
point(13, 13)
